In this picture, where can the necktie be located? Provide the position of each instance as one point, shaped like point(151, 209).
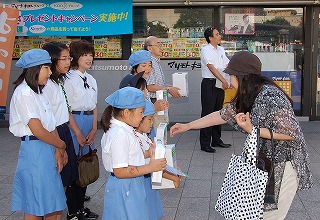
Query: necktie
point(85, 84)
point(65, 96)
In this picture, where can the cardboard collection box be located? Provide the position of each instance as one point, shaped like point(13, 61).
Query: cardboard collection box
point(162, 133)
point(163, 94)
point(169, 152)
point(160, 151)
point(180, 80)
point(170, 155)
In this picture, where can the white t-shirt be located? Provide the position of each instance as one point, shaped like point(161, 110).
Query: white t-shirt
point(79, 97)
point(120, 147)
point(25, 104)
point(58, 102)
point(215, 56)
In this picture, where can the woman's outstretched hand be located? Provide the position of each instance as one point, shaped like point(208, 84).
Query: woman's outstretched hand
point(244, 121)
point(178, 128)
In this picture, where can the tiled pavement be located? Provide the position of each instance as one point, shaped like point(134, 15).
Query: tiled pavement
point(195, 199)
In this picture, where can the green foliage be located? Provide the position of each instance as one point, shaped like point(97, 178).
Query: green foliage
point(158, 29)
point(194, 17)
point(278, 21)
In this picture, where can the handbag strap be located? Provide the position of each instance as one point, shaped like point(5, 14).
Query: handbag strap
point(272, 144)
point(251, 144)
point(80, 152)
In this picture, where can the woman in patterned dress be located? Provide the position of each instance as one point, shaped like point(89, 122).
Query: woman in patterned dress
point(261, 103)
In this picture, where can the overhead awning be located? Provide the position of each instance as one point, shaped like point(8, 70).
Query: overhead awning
point(221, 2)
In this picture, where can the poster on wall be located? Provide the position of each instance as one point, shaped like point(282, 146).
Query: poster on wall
point(8, 24)
point(239, 24)
point(22, 44)
point(73, 18)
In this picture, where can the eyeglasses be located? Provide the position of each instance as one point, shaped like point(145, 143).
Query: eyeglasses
point(66, 59)
point(157, 45)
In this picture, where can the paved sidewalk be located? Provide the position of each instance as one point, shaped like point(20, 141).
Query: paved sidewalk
point(196, 197)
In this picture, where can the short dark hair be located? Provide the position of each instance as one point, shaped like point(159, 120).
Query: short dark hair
point(79, 48)
point(54, 49)
point(141, 83)
point(208, 33)
point(134, 69)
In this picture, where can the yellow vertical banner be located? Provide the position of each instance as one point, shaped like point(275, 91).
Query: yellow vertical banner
point(8, 27)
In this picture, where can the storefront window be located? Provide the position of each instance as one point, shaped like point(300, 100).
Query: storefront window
point(179, 30)
point(275, 36)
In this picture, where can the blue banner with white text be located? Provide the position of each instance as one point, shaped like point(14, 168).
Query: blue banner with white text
point(73, 18)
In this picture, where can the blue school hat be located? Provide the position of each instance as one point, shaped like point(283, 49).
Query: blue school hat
point(33, 57)
point(149, 108)
point(127, 97)
point(130, 80)
point(141, 56)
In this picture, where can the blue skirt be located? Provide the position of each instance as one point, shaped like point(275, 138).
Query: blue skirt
point(153, 200)
point(37, 186)
point(84, 123)
point(125, 199)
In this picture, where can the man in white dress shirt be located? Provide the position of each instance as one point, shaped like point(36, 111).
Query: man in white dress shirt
point(213, 62)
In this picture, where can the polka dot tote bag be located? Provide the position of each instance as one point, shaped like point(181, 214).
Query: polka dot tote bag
point(243, 188)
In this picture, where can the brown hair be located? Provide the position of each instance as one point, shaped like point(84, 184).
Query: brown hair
point(78, 49)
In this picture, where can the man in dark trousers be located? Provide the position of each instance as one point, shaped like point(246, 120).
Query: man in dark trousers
point(213, 62)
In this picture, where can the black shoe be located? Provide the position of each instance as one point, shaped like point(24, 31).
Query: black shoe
point(76, 216)
point(88, 214)
point(208, 149)
point(223, 145)
point(87, 198)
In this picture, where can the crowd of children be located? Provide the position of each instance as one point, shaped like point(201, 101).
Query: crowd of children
point(53, 110)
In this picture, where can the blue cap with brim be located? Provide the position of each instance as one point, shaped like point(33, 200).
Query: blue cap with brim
point(141, 56)
point(149, 108)
point(33, 57)
point(127, 97)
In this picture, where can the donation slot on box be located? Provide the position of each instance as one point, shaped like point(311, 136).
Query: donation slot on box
point(180, 80)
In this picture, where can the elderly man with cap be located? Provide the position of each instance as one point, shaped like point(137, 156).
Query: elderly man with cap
point(37, 187)
point(261, 103)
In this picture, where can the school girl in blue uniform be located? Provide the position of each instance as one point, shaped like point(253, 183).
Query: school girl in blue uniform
point(122, 155)
point(153, 196)
point(55, 91)
point(37, 187)
point(81, 89)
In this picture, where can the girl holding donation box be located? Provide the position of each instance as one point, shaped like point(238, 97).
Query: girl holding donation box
point(122, 155)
